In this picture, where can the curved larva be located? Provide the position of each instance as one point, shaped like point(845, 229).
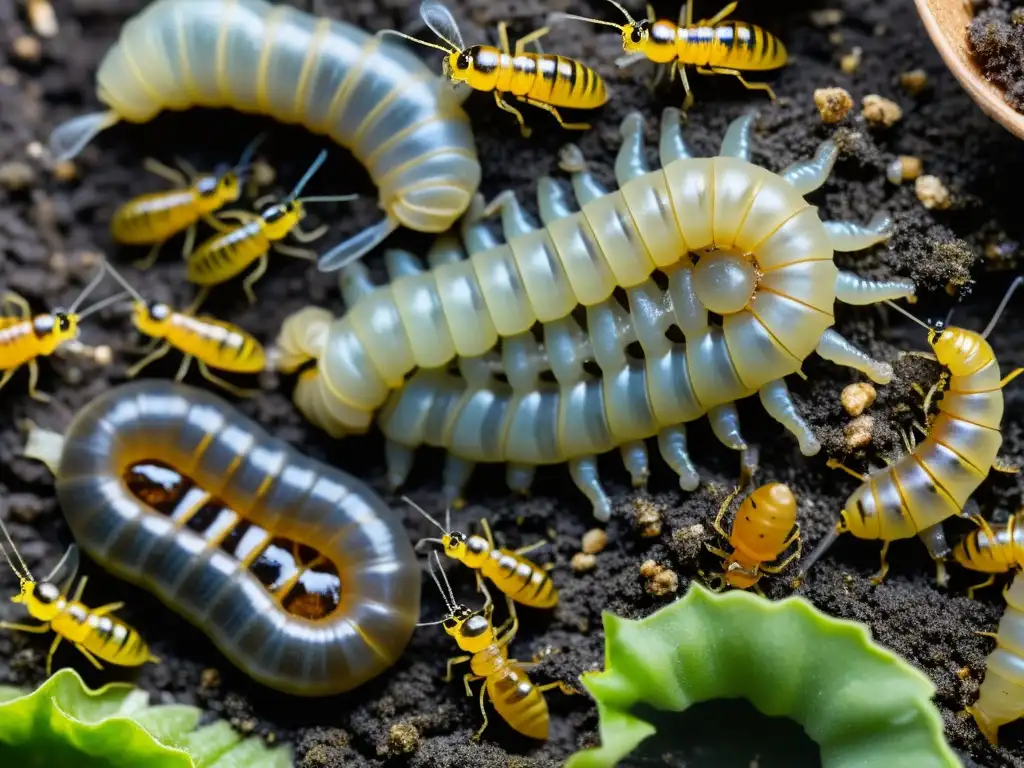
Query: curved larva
point(250, 491)
point(371, 96)
point(1001, 696)
point(770, 276)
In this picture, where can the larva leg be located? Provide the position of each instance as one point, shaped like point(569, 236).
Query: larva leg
point(934, 539)
point(256, 274)
point(630, 162)
point(451, 663)
point(401, 264)
point(672, 146)
point(173, 175)
point(739, 76)
point(33, 383)
point(807, 175)
point(475, 235)
point(147, 261)
point(552, 201)
point(445, 250)
point(555, 112)
point(186, 363)
point(295, 253)
point(502, 104)
point(584, 473)
point(454, 478)
point(53, 649)
point(879, 577)
point(634, 456)
point(846, 236)
point(721, 15)
point(736, 142)
point(838, 350)
point(225, 385)
point(483, 707)
point(519, 477)
point(672, 444)
point(355, 283)
point(152, 357)
point(398, 459)
point(514, 221)
point(779, 403)
point(586, 187)
point(986, 583)
point(725, 423)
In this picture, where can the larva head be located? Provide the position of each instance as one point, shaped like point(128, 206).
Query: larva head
point(152, 318)
point(725, 281)
point(54, 329)
point(213, 192)
point(963, 352)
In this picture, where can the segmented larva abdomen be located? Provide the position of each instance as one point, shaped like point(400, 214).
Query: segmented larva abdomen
point(227, 544)
point(1001, 696)
point(369, 95)
point(935, 480)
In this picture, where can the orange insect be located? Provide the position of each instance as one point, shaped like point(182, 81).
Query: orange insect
point(764, 527)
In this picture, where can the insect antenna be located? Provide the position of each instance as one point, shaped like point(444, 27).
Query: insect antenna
point(449, 604)
point(245, 161)
point(559, 16)
point(448, 586)
point(124, 283)
point(396, 33)
point(24, 574)
point(102, 304)
point(816, 555)
point(308, 175)
point(423, 512)
point(902, 311)
point(328, 198)
point(1002, 306)
point(86, 291)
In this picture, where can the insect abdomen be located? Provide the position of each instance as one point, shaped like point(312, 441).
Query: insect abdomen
point(558, 81)
point(520, 579)
point(227, 255)
point(304, 642)
point(18, 344)
point(104, 636)
point(153, 218)
point(733, 45)
point(216, 343)
point(518, 701)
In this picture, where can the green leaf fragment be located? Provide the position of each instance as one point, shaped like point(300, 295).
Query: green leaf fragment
point(862, 704)
point(64, 723)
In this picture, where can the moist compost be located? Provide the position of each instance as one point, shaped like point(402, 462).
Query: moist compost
point(53, 224)
point(996, 37)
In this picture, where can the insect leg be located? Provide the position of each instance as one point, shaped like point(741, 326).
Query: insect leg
point(33, 381)
point(226, 385)
point(19, 301)
point(503, 38)
point(523, 127)
point(488, 533)
point(37, 629)
point(718, 551)
point(214, 223)
point(77, 597)
point(468, 678)
point(256, 274)
point(103, 610)
point(183, 368)
point(176, 177)
point(553, 111)
point(7, 375)
point(85, 652)
point(721, 15)
point(49, 656)
point(688, 101)
point(153, 356)
point(739, 76)
point(147, 261)
point(483, 711)
point(795, 556)
point(721, 512)
point(510, 633)
point(880, 576)
point(296, 253)
point(187, 168)
point(563, 687)
point(531, 547)
point(533, 37)
point(197, 302)
point(190, 239)
point(686, 14)
point(986, 583)
point(451, 663)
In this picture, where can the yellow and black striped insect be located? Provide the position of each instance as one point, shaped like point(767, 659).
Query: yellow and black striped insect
point(24, 339)
point(212, 343)
point(516, 699)
point(154, 218)
point(93, 631)
point(764, 527)
point(541, 80)
point(518, 578)
point(714, 46)
point(992, 549)
point(227, 254)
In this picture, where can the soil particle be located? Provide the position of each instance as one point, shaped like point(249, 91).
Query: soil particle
point(54, 224)
point(996, 38)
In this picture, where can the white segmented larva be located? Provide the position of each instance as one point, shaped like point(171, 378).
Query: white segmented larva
point(763, 262)
point(1000, 700)
point(369, 95)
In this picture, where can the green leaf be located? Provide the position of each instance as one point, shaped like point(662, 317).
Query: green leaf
point(64, 723)
point(862, 704)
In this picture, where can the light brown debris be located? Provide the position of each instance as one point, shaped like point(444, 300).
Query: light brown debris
point(833, 104)
point(932, 193)
point(857, 397)
point(880, 110)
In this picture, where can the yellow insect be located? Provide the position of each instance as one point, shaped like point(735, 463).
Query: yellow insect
point(212, 343)
point(517, 577)
point(764, 527)
point(24, 339)
point(992, 549)
point(713, 46)
point(94, 632)
point(516, 699)
point(540, 80)
point(153, 218)
point(227, 254)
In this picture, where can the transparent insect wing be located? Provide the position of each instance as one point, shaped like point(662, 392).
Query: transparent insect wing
point(65, 570)
point(442, 23)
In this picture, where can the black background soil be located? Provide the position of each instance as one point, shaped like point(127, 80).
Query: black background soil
point(51, 229)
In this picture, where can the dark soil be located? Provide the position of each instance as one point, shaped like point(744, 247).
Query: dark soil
point(50, 231)
point(996, 36)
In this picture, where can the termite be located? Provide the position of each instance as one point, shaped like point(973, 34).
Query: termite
point(541, 80)
point(518, 578)
point(93, 631)
point(516, 699)
point(212, 343)
point(934, 481)
point(227, 254)
point(154, 218)
point(24, 339)
point(992, 549)
point(713, 46)
point(764, 527)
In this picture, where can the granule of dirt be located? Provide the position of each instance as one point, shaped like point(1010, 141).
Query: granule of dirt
point(996, 38)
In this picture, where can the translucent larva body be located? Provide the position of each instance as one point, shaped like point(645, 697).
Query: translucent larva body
point(370, 96)
point(770, 276)
point(95, 632)
point(295, 570)
point(1000, 699)
point(764, 527)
